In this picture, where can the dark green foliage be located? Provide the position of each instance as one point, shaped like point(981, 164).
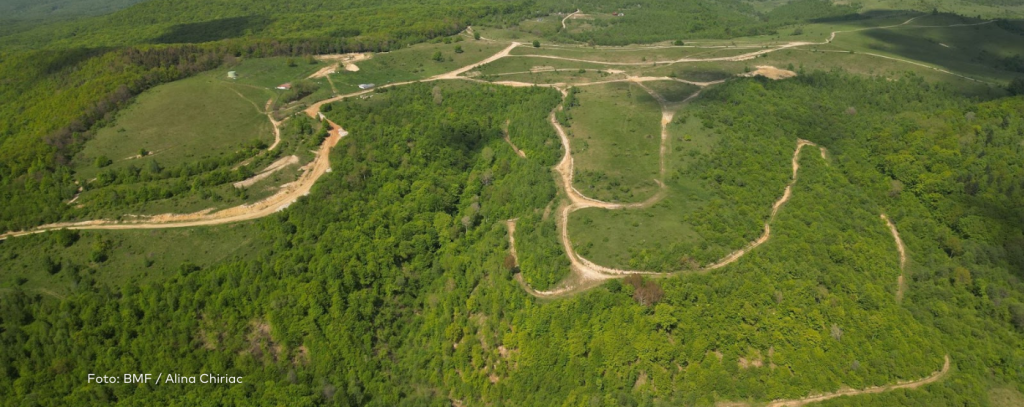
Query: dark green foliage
point(1016, 86)
point(376, 272)
point(66, 237)
point(648, 21)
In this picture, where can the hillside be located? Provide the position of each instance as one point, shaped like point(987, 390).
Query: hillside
point(778, 203)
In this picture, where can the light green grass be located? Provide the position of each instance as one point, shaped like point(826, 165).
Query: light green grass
point(525, 64)
point(178, 122)
point(636, 238)
point(268, 73)
point(166, 249)
point(414, 63)
point(627, 55)
point(1005, 397)
point(550, 77)
point(616, 136)
point(672, 91)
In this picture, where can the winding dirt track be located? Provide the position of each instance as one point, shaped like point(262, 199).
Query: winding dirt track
point(900, 283)
point(934, 377)
point(568, 17)
point(587, 273)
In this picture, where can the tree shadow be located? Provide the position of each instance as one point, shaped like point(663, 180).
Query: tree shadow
point(986, 49)
point(213, 30)
point(867, 15)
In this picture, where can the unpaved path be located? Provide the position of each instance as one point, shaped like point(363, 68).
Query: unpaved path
point(585, 271)
point(568, 17)
point(520, 153)
point(277, 125)
point(934, 377)
point(343, 60)
point(900, 283)
point(270, 170)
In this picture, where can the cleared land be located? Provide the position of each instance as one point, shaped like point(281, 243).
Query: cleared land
point(179, 122)
point(615, 141)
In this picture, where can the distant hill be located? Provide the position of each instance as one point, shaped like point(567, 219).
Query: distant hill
point(50, 9)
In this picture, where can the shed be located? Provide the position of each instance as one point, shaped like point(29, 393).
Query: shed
point(366, 86)
point(232, 75)
point(284, 86)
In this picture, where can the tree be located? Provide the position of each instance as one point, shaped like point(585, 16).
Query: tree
point(678, 43)
point(102, 161)
point(836, 332)
point(1016, 86)
point(438, 56)
point(476, 36)
point(458, 49)
point(66, 237)
point(536, 44)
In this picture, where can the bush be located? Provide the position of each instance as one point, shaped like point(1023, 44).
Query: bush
point(1016, 86)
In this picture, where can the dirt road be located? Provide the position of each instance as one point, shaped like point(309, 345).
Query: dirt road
point(568, 17)
point(270, 170)
point(934, 377)
point(504, 132)
point(900, 283)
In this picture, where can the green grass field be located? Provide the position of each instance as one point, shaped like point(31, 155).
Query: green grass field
point(414, 63)
point(639, 238)
point(526, 64)
point(672, 91)
point(178, 122)
point(616, 135)
point(268, 73)
point(140, 255)
point(627, 55)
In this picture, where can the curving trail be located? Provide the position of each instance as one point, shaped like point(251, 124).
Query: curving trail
point(934, 377)
point(504, 133)
point(568, 17)
point(900, 283)
point(585, 272)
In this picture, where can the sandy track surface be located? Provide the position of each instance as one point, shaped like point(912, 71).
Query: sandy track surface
point(520, 153)
point(900, 283)
point(275, 123)
point(934, 377)
point(586, 272)
point(270, 170)
point(341, 60)
point(568, 17)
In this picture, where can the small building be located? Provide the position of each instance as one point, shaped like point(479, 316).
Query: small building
point(284, 86)
point(232, 75)
point(618, 14)
point(365, 86)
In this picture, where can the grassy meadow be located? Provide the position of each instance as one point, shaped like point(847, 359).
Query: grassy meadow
point(615, 137)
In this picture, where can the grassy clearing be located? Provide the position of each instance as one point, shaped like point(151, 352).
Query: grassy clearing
point(526, 64)
point(564, 76)
point(415, 62)
point(637, 238)
point(1005, 397)
point(672, 91)
point(141, 255)
point(268, 73)
point(508, 34)
point(616, 135)
point(178, 122)
point(627, 55)
point(980, 51)
point(541, 26)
